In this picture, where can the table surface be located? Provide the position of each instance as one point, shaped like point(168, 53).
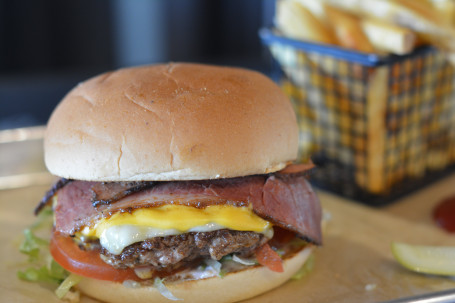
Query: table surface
point(354, 264)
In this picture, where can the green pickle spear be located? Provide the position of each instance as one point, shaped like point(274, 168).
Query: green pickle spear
point(437, 260)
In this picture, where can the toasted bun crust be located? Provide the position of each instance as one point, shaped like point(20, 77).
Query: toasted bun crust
point(171, 122)
point(231, 288)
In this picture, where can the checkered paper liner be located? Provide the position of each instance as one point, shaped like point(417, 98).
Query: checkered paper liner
point(379, 127)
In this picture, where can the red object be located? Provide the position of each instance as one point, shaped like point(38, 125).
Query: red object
point(281, 237)
point(86, 263)
point(266, 256)
point(444, 214)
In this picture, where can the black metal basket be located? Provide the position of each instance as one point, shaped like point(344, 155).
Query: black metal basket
point(379, 126)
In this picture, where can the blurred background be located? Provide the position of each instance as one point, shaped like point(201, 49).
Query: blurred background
point(376, 115)
point(48, 46)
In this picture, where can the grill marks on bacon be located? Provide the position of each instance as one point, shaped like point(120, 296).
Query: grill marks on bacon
point(286, 200)
point(50, 193)
point(109, 192)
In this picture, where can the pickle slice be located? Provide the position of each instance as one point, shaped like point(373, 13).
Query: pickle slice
point(438, 260)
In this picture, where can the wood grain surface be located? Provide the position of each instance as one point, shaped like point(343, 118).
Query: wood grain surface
point(354, 264)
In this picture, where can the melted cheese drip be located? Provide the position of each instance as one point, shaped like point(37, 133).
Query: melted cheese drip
point(123, 229)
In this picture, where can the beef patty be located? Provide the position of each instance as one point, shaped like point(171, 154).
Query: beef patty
point(168, 253)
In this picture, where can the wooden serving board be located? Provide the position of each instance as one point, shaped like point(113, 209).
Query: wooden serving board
point(354, 264)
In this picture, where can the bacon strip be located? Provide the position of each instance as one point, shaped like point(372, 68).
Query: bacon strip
point(50, 193)
point(109, 192)
point(290, 202)
point(286, 200)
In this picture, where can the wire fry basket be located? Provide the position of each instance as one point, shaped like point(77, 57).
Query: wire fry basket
point(378, 126)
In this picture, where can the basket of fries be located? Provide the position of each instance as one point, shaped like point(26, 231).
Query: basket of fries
point(376, 115)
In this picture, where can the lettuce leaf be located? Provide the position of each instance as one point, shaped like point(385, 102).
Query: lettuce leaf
point(32, 246)
point(43, 274)
point(306, 268)
point(41, 267)
point(66, 285)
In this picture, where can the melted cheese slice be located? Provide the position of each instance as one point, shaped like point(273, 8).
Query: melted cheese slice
point(123, 229)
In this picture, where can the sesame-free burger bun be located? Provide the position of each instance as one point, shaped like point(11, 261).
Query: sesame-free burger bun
point(233, 287)
point(171, 122)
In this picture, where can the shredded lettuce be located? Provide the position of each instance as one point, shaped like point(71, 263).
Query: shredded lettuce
point(243, 261)
point(41, 266)
point(32, 246)
point(226, 258)
point(51, 272)
point(215, 266)
point(164, 291)
point(66, 285)
point(222, 273)
point(306, 268)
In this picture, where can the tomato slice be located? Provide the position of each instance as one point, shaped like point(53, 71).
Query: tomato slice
point(86, 263)
point(266, 256)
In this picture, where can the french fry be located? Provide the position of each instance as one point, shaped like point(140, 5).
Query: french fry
point(420, 16)
point(348, 30)
point(296, 21)
point(389, 37)
point(352, 6)
point(391, 10)
point(446, 8)
point(357, 24)
point(316, 7)
point(376, 129)
point(422, 10)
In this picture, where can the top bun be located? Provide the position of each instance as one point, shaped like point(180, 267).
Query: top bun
point(171, 122)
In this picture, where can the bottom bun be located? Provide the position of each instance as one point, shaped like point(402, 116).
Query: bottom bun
point(233, 287)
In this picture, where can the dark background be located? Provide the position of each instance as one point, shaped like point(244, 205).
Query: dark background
point(48, 46)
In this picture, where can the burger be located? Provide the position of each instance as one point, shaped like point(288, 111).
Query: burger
point(177, 182)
